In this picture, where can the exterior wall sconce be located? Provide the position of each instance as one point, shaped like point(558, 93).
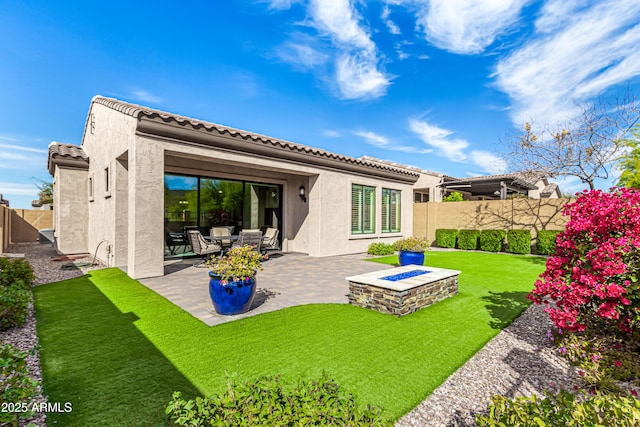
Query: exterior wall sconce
point(302, 194)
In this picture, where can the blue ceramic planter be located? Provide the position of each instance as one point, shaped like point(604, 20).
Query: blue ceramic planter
point(411, 258)
point(232, 298)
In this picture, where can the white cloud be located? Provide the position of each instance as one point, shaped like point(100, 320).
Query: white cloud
point(467, 26)
point(331, 133)
point(145, 96)
point(357, 72)
point(488, 162)
point(393, 28)
point(373, 138)
point(21, 148)
point(15, 189)
point(439, 138)
point(301, 54)
point(358, 77)
point(381, 141)
point(589, 51)
point(281, 4)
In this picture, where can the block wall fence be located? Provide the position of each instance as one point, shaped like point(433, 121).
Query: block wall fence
point(22, 225)
point(515, 214)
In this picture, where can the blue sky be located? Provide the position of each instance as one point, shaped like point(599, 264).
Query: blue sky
point(434, 84)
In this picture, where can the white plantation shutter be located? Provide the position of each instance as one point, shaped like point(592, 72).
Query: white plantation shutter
point(390, 211)
point(356, 209)
point(363, 209)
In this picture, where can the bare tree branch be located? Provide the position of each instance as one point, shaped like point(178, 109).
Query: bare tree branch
point(584, 146)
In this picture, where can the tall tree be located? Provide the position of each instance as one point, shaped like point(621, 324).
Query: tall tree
point(45, 193)
point(630, 161)
point(585, 146)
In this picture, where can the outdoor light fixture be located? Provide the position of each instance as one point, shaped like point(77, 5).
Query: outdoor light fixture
point(303, 196)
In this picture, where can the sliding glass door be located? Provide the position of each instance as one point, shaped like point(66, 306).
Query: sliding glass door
point(202, 203)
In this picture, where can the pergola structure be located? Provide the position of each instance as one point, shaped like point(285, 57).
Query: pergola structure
point(494, 187)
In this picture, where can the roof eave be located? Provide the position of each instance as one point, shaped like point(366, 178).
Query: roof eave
point(248, 143)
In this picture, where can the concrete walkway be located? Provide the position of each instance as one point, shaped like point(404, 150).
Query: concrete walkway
point(287, 280)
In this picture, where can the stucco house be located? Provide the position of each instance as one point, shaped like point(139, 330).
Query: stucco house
point(139, 170)
point(141, 173)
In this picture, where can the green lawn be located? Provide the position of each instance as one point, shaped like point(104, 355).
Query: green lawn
point(117, 350)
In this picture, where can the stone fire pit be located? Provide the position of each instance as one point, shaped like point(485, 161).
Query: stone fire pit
point(403, 290)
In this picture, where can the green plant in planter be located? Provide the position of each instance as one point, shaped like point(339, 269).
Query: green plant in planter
point(411, 244)
point(240, 263)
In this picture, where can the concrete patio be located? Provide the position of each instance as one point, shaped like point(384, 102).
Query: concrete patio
point(287, 280)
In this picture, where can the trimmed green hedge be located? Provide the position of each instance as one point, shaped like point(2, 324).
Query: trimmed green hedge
point(446, 237)
point(546, 243)
point(492, 240)
point(519, 241)
point(468, 239)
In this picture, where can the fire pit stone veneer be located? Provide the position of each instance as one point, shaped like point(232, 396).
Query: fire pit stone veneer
point(403, 290)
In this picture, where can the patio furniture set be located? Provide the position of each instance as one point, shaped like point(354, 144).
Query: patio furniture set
point(221, 239)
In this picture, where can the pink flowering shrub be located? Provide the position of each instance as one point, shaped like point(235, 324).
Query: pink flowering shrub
point(594, 271)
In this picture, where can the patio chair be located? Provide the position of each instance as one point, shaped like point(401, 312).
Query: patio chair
point(249, 237)
point(171, 244)
point(219, 234)
point(270, 240)
point(201, 247)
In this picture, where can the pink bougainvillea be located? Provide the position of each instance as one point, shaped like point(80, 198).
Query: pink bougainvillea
point(594, 271)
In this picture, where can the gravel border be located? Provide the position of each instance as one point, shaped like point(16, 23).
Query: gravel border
point(520, 360)
point(46, 270)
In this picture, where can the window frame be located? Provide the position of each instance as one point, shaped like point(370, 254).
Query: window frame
point(363, 210)
point(391, 211)
point(107, 182)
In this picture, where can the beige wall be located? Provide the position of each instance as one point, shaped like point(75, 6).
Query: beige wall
point(25, 224)
point(22, 225)
point(108, 136)
point(518, 214)
point(5, 227)
point(70, 210)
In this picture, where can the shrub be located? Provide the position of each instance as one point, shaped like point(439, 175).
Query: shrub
point(604, 358)
point(446, 237)
point(594, 271)
point(519, 241)
point(453, 197)
point(266, 402)
point(546, 242)
point(563, 409)
point(492, 240)
point(15, 291)
point(14, 270)
point(468, 239)
point(17, 387)
point(411, 244)
point(380, 248)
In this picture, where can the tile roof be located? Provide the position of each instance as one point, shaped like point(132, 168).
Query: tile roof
point(139, 112)
point(399, 165)
point(66, 154)
point(549, 189)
